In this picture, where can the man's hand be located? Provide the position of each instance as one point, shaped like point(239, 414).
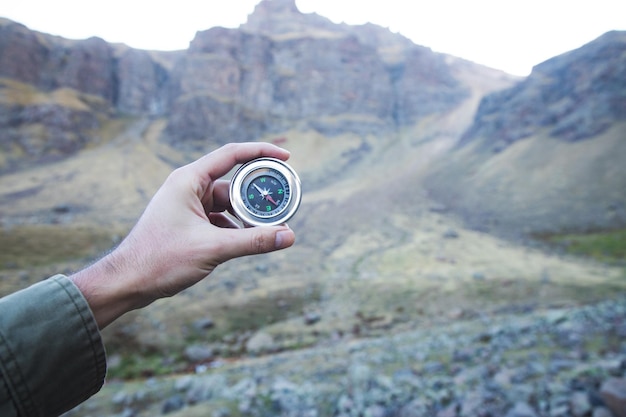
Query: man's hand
point(182, 236)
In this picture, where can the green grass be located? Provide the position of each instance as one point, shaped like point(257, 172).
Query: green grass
point(604, 246)
point(144, 356)
point(30, 246)
point(136, 366)
point(257, 312)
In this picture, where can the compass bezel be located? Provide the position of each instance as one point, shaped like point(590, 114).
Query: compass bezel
point(247, 173)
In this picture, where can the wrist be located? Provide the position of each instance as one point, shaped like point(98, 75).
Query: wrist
point(106, 285)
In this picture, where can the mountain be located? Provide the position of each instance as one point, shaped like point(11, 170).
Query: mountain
point(414, 164)
point(58, 96)
point(577, 95)
point(337, 91)
point(281, 69)
point(546, 155)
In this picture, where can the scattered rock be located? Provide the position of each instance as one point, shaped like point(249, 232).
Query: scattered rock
point(62, 209)
point(438, 208)
point(260, 343)
point(311, 318)
point(433, 368)
point(120, 398)
point(521, 409)
point(478, 276)
point(199, 353)
point(613, 392)
point(204, 324)
point(479, 367)
point(451, 234)
point(183, 383)
point(601, 412)
point(375, 410)
point(415, 408)
point(580, 405)
point(173, 404)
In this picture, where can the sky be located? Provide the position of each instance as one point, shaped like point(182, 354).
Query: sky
point(510, 35)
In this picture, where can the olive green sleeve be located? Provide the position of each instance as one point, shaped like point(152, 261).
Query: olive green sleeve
point(51, 353)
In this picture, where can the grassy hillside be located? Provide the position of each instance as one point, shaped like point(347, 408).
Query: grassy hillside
point(374, 255)
point(538, 185)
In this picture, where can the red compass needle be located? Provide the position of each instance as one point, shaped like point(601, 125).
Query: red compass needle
point(271, 200)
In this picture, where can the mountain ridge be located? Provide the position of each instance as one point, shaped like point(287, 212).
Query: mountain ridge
point(366, 90)
point(240, 83)
point(548, 150)
point(401, 222)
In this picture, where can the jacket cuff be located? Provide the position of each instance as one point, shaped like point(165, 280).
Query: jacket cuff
point(51, 353)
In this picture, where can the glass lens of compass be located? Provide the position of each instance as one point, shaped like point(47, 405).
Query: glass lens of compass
point(267, 194)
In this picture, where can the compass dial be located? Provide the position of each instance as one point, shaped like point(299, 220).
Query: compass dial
point(265, 191)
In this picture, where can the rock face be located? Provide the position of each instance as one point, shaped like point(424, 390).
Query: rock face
point(280, 70)
point(131, 81)
point(574, 96)
point(546, 156)
point(142, 83)
point(42, 126)
point(284, 69)
point(49, 63)
point(56, 94)
point(22, 54)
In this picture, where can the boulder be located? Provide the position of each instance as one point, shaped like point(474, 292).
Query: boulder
point(613, 392)
point(260, 343)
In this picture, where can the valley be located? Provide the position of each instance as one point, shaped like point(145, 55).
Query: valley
point(375, 261)
point(459, 248)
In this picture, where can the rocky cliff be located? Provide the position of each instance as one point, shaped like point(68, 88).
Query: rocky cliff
point(287, 69)
point(574, 96)
point(547, 154)
point(57, 95)
point(541, 155)
point(282, 69)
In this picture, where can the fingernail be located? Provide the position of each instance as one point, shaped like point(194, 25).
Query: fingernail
point(281, 239)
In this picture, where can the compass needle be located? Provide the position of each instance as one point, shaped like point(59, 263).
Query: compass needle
point(258, 189)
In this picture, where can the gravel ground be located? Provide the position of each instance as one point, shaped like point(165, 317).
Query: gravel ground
point(552, 363)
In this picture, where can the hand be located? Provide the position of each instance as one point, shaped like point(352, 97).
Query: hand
point(182, 236)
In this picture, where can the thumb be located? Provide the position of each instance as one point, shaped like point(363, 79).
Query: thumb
point(257, 240)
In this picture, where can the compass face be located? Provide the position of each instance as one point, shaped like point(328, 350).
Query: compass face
point(265, 191)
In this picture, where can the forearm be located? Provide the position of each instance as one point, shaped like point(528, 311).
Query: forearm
point(108, 289)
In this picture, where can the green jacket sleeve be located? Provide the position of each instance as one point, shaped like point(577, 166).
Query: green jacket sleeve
point(51, 353)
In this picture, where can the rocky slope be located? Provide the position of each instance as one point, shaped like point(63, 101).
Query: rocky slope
point(59, 96)
point(559, 363)
point(576, 96)
point(280, 70)
point(547, 152)
point(288, 72)
point(342, 95)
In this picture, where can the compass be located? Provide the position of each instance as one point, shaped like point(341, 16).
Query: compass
point(265, 192)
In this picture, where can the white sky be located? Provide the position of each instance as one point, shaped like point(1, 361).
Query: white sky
point(505, 34)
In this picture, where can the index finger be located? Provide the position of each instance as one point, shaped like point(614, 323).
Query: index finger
point(219, 162)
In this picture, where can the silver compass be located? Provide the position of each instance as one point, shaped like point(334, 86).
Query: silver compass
point(265, 192)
